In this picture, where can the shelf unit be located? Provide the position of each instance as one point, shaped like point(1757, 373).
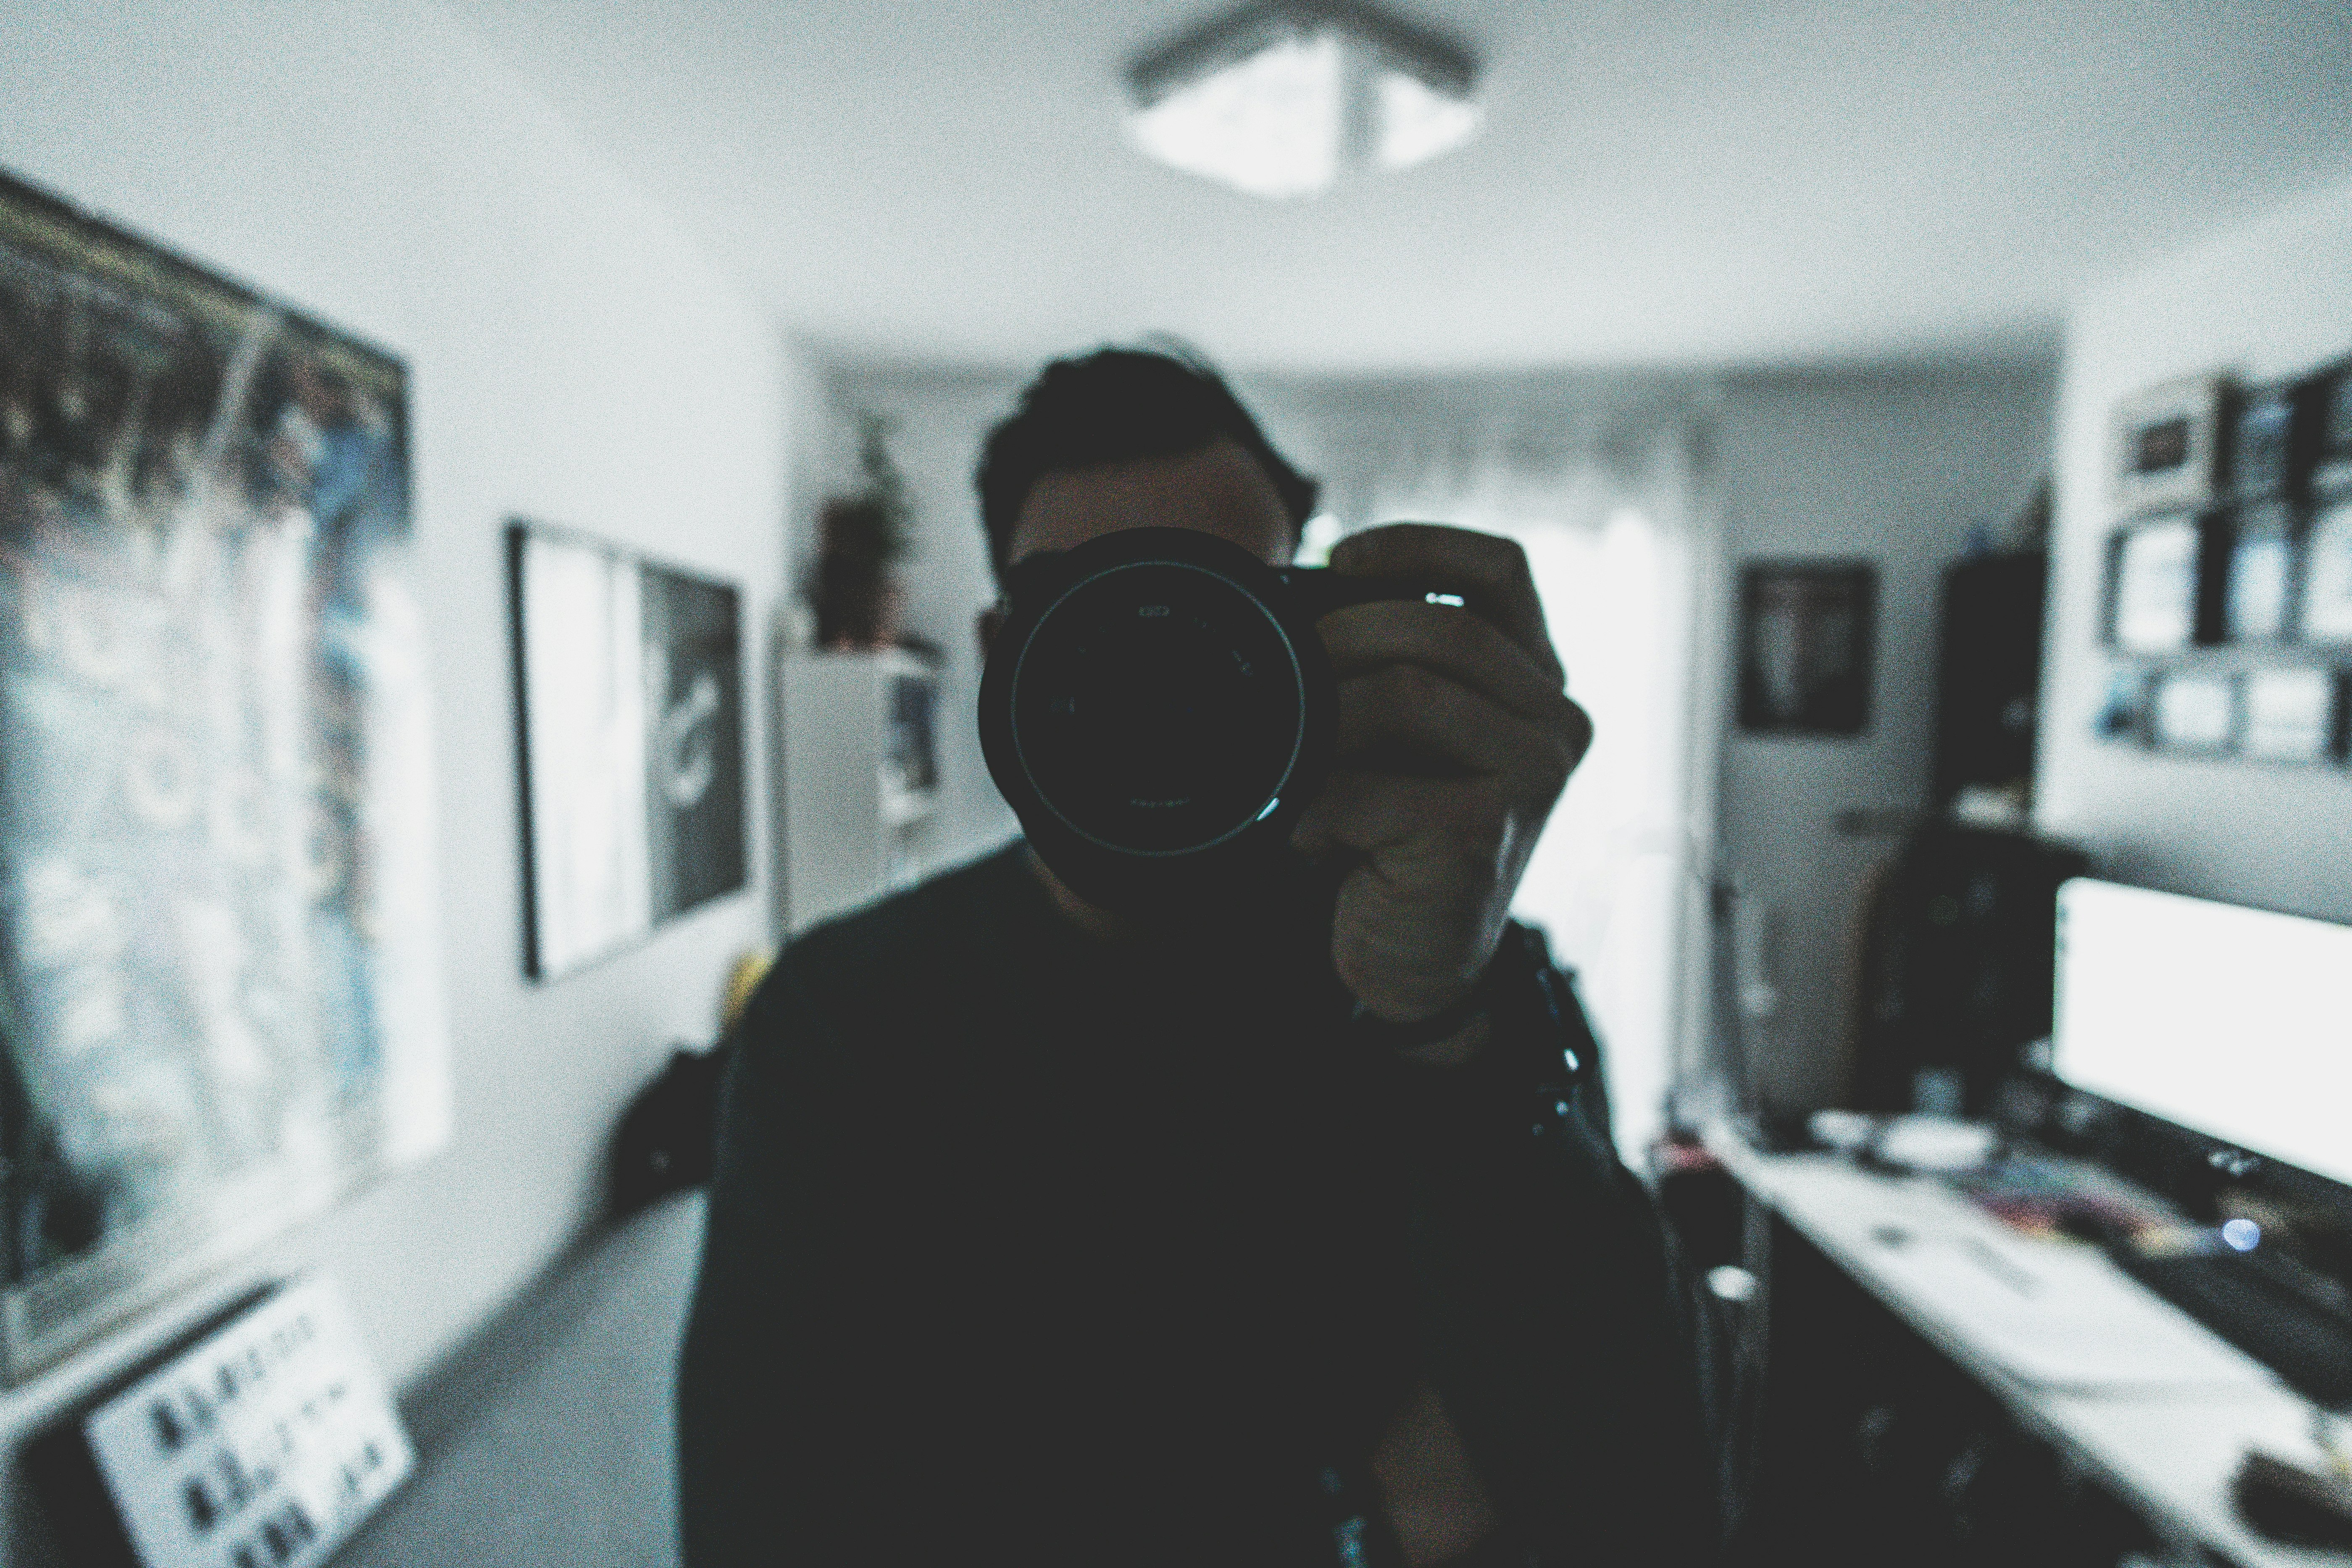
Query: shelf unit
point(860, 779)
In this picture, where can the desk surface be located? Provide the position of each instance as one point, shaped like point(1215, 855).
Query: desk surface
point(2126, 1383)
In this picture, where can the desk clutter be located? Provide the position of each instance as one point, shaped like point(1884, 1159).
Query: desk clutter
point(1937, 1375)
point(2047, 1310)
point(2068, 1228)
point(265, 1443)
point(2088, 1299)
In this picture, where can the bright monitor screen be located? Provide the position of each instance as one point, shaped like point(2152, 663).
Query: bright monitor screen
point(2231, 1022)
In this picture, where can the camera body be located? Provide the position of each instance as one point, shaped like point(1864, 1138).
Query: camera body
point(1158, 710)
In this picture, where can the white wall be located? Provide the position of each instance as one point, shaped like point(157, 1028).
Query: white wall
point(1893, 468)
point(2269, 300)
point(938, 419)
point(571, 359)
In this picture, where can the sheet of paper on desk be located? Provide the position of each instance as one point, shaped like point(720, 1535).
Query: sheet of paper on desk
point(2176, 1454)
point(2063, 1318)
point(2052, 1313)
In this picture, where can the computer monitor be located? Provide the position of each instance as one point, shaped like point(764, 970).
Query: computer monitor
point(2233, 1022)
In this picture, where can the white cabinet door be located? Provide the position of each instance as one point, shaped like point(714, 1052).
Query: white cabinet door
point(848, 819)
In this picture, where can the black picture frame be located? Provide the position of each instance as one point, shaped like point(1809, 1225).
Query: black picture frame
point(2292, 713)
point(2263, 573)
point(2329, 397)
point(2167, 446)
point(1807, 645)
point(2326, 600)
point(2166, 582)
point(629, 736)
point(2269, 440)
point(2125, 715)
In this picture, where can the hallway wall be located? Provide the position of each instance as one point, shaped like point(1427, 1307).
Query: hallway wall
point(1893, 468)
point(573, 360)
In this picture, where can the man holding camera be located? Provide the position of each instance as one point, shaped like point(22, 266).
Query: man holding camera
point(1282, 1228)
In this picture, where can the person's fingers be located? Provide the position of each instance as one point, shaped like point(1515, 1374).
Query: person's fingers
point(1369, 812)
point(1491, 572)
point(1398, 713)
point(1467, 647)
point(1365, 811)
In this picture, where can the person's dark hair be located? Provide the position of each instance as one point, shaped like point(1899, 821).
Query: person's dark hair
point(1117, 406)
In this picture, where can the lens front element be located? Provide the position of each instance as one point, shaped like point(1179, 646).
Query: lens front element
point(1157, 707)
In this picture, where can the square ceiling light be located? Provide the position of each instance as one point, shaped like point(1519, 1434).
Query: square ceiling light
point(1285, 100)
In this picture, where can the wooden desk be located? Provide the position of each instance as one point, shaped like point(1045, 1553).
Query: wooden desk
point(2128, 1386)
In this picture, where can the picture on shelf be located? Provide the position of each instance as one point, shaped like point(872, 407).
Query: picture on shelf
point(218, 874)
point(911, 757)
point(2259, 603)
point(2196, 710)
point(2331, 468)
point(1805, 646)
point(628, 678)
point(2291, 715)
point(2263, 456)
point(2165, 443)
point(2327, 574)
point(2155, 572)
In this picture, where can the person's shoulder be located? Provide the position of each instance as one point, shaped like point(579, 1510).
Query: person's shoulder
point(938, 909)
point(892, 954)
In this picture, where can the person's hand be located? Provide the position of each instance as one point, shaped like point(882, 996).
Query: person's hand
point(1456, 738)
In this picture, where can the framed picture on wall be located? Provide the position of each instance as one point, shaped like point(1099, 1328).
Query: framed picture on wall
point(2265, 433)
point(2291, 715)
point(2166, 446)
point(2196, 710)
point(2258, 603)
point(218, 941)
point(1806, 633)
point(2330, 393)
point(2164, 575)
point(2327, 574)
point(628, 682)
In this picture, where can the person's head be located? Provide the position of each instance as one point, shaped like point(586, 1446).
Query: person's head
point(1127, 438)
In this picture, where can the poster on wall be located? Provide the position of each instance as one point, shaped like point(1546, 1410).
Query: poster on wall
point(629, 683)
point(219, 996)
point(1805, 644)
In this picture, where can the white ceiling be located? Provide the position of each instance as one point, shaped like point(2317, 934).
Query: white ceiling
point(1665, 181)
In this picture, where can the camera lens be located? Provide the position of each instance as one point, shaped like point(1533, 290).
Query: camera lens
point(1157, 707)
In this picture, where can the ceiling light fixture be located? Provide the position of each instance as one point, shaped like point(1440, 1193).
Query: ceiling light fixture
point(1283, 98)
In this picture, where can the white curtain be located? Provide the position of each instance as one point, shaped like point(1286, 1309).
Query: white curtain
point(1603, 480)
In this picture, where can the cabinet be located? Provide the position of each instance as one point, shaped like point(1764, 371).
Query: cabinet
point(859, 778)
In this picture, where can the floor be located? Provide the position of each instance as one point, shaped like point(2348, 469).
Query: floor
point(551, 1444)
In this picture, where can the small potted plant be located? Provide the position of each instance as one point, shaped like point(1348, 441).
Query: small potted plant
point(856, 597)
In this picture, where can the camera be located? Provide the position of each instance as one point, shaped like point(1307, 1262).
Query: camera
point(1158, 710)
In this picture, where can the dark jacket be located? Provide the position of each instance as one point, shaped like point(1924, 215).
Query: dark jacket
point(1019, 1250)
